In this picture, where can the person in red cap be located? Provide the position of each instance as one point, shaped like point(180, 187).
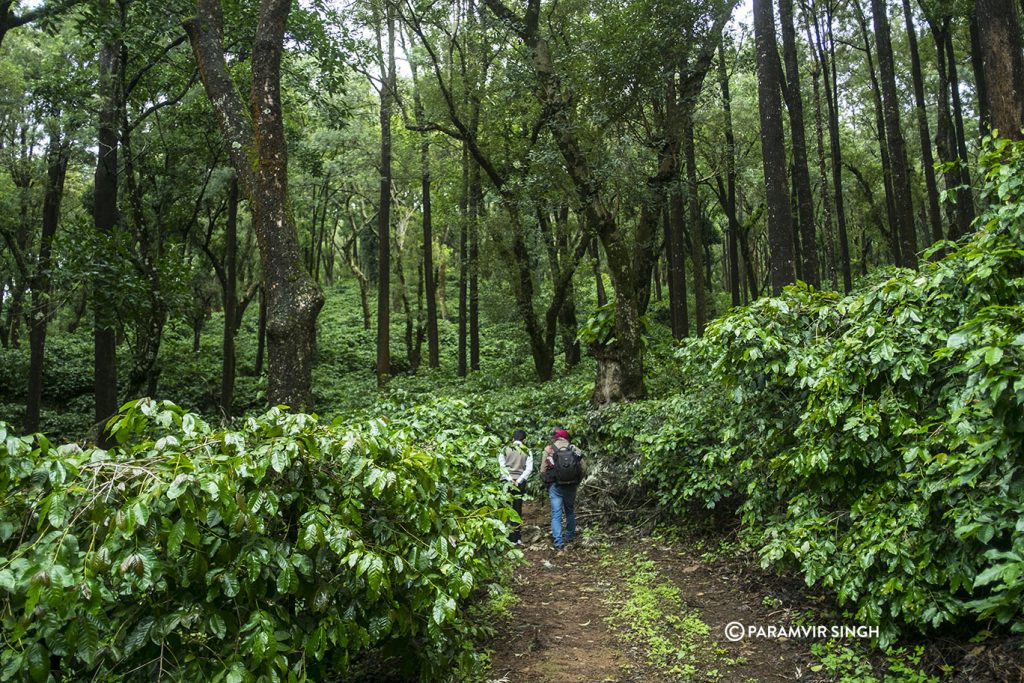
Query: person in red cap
point(562, 470)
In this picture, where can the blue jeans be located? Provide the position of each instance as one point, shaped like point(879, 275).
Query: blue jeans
point(562, 497)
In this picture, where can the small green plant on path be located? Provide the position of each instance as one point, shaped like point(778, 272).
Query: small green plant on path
point(653, 616)
point(851, 664)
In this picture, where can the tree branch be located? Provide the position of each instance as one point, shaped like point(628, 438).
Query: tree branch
point(205, 32)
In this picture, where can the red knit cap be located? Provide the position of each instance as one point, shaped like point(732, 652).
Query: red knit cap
point(561, 434)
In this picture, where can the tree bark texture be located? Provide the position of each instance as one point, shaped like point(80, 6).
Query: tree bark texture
point(675, 246)
point(729, 205)
point(980, 79)
point(227, 379)
point(831, 81)
point(1003, 58)
point(464, 219)
point(58, 155)
point(894, 136)
point(475, 212)
point(964, 196)
point(433, 342)
point(891, 229)
point(387, 97)
point(819, 138)
point(105, 218)
point(769, 83)
point(927, 158)
point(693, 219)
point(256, 143)
point(810, 268)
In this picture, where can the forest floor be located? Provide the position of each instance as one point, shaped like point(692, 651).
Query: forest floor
point(612, 610)
point(621, 608)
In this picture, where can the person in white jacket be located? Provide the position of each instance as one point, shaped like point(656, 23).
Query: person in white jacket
point(516, 464)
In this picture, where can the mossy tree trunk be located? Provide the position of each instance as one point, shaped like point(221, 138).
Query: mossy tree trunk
point(258, 151)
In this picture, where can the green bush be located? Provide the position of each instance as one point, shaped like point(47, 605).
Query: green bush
point(280, 551)
point(874, 440)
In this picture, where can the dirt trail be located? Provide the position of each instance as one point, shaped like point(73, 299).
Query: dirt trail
point(558, 630)
point(559, 633)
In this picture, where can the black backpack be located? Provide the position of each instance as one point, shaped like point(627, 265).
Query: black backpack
point(568, 467)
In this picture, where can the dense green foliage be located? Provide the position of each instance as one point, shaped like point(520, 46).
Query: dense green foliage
point(276, 551)
point(874, 439)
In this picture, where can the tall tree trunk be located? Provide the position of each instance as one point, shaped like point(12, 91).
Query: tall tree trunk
point(259, 154)
point(884, 150)
point(464, 219)
point(819, 137)
point(387, 94)
point(145, 371)
point(980, 79)
point(433, 343)
point(20, 247)
point(801, 174)
point(227, 377)
point(964, 196)
point(1003, 58)
point(794, 203)
point(945, 138)
point(433, 339)
point(927, 159)
point(403, 291)
point(675, 240)
point(831, 81)
point(475, 212)
point(693, 218)
point(559, 253)
point(105, 218)
point(769, 83)
point(750, 267)
point(730, 179)
point(58, 154)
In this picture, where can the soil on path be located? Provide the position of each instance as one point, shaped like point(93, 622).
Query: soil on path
point(559, 631)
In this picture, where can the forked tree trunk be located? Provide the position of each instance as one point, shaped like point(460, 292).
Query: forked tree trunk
point(258, 151)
